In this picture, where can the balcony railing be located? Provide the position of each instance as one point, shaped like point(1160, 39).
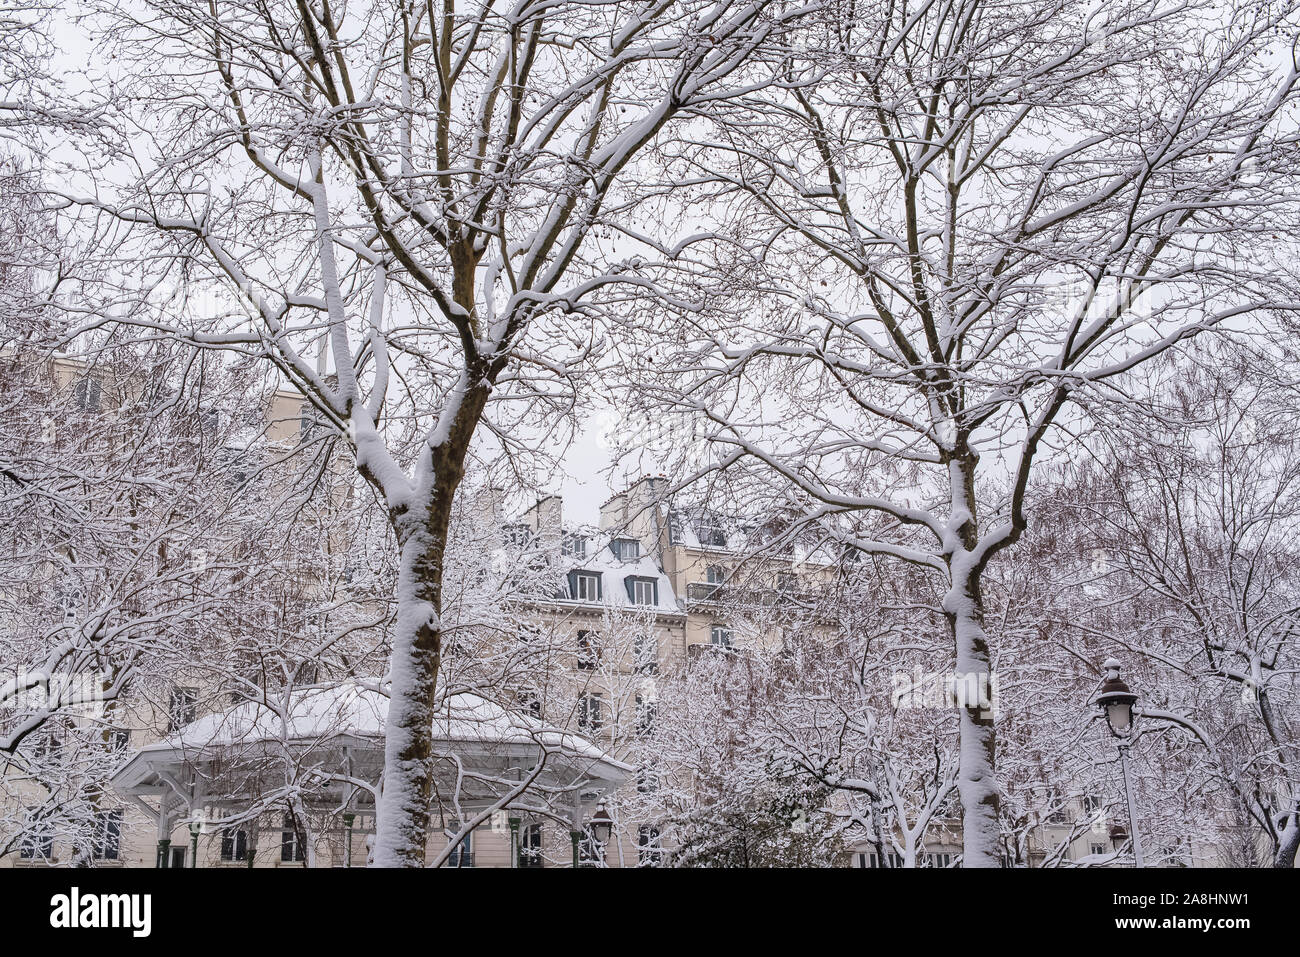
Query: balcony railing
point(713, 593)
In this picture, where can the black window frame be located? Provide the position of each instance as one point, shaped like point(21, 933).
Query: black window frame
point(649, 846)
point(292, 850)
point(588, 649)
point(591, 712)
point(234, 844)
point(178, 716)
point(530, 846)
point(645, 652)
point(107, 845)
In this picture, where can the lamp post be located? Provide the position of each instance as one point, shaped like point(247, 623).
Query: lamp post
point(348, 818)
point(575, 838)
point(1116, 702)
point(514, 841)
point(196, 827)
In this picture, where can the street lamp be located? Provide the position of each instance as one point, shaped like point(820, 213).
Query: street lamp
point(602, 827)
point(1116, 701)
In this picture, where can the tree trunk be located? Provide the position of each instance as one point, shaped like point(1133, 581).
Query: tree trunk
point(402, 828)
point(1289, 840)
point(976, 779)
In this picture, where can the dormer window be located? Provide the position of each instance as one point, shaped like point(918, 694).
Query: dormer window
point(642, 591)
point(584, 586)
point(625, 549)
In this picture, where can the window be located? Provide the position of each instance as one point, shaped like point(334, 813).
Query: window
point(892, 859)
point(642, 591)
point(108, 835)
point(711, 534)
point(590, 716)
point(517, 536)
point(787, 582)
point(938, 859)
point(1092, 804)
point(646, 711)
point(462, 855)
point(647, 780)
point(588, 649)
point(234, 844)
point(71, 602)
point(291, 848)
point(650, 851)
point(178, 858)
point(720, 637)
point(1056, 805)
point(183, 707)
point(119, 739)
point(574, 545)
point(210, 421)
point(645, 648)
point(1175, 852)
point(86, 394)
point(51, 744)
point(37, 842)
point(715, 574)
point(584, 586)
point(625, 549)
point(530, 846)
point(1096, 849)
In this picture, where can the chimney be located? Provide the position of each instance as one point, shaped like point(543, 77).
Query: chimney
point(546, 518)
point(486, 506)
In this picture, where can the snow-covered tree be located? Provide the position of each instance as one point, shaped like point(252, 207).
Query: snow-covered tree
point(402, 198)
point(944, 227)
point(1189, 508)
